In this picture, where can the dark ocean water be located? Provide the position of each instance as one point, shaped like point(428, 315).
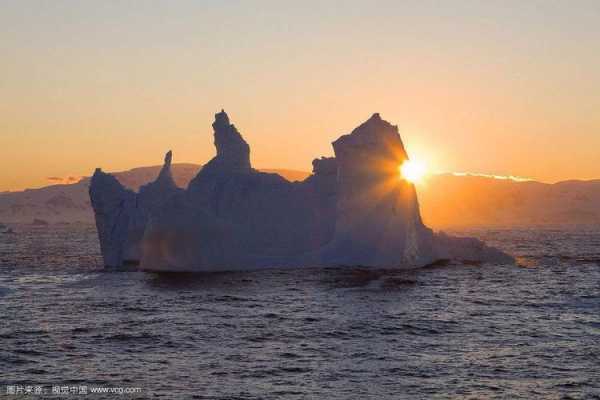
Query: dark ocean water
point(529, 331)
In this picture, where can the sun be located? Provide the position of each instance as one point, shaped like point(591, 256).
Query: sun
point(413, 171)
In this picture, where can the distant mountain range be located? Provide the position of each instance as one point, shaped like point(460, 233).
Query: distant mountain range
point(449, 200)
point(446, 200)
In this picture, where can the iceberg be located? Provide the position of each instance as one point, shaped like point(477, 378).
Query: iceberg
point(353, 210)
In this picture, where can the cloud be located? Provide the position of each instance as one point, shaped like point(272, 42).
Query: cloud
point(502, 177)
point(64, 180)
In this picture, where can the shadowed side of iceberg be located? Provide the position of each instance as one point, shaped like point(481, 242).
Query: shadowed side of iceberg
point(234, 217)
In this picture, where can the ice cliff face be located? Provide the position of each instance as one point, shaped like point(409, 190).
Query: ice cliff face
point(122, 215)
point(353, 210)
point(377, 215)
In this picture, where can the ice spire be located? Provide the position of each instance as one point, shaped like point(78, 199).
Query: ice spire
point(232, 150)
point(165, 174)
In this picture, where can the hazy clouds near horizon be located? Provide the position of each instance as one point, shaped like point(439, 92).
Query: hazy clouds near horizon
point(499, 87)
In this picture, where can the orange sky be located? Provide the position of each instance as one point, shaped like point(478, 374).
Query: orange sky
point(494, 87)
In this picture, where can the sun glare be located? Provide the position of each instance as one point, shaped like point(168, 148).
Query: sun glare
point(413, 171)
